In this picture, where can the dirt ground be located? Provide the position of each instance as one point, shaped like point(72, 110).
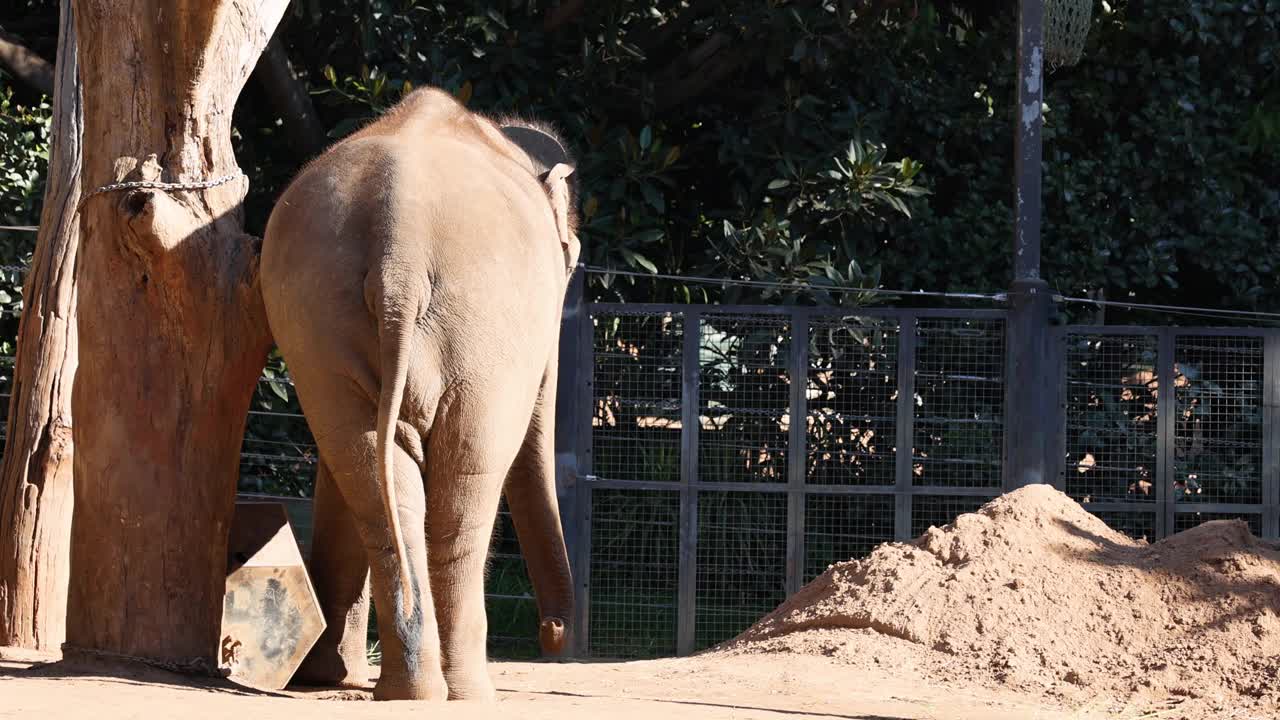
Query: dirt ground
point(1034, 595)
point(1030, 608)
point(696, 688)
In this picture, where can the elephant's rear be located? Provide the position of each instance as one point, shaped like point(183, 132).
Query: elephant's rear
point(318, 247)
point(416, 216)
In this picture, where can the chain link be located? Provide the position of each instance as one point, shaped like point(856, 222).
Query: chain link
point(158, 185)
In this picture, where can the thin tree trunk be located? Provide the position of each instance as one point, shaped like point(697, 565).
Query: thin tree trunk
point(289, 97)
point(35, 478)
point(25, 64)
point(172, 330)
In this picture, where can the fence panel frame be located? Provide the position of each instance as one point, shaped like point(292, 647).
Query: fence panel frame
point(1164, 511)
point(797, 488)
point(1166, 417)
point(1165, 508)
point(904, 423)
point(690, 424)
point(1271, 436)
point(575, 409)
point(797, 447)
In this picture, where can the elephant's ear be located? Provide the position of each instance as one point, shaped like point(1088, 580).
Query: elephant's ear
point(543, 149)
point(553, 166)
point(557, 185)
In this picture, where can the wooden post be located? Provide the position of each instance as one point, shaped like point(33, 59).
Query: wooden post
point(35, 478)
point(172, 331)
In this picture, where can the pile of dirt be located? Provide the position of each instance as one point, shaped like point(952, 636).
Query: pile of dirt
point(1034, 592)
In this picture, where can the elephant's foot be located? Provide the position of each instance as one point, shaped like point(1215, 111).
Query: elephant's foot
point(331, 669)
point(469, 679)
point(392, 687)
point(475, 689)
point(552, 635)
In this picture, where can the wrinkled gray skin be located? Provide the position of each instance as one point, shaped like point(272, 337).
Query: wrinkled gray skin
point(413, 277)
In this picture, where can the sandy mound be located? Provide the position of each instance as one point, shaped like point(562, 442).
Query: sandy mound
point(1034, 592)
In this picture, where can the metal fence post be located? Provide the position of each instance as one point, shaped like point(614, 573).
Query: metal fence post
point(1166, 407)
point(1056, 420)
point(1026, 432)
point(573, 446)
point(1270, 437)
point(1030, 395)
point(569, 384)
point(690, 424)
point(797, 453)
point(904, 439)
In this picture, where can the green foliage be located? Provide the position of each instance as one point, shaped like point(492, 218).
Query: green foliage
point(851, 146)
point(24, 155)
point(836, 144)
point(1162, 166)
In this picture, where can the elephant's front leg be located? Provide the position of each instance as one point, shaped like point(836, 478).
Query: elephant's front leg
point(461, 510)
point(339, 568)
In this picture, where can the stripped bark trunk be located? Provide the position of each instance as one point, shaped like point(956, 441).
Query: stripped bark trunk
point(172, 331)
point(35, 478)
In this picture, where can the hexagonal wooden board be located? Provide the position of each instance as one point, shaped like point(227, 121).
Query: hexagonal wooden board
point(270, 614)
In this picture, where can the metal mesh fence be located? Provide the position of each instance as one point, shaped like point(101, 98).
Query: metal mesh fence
point(1218, 427)
point(651, 558)
point(843, 527)
point(509, 602)
point(1111, 390)
point(635, 548)
point(939, 510)
point(744, 386)
point(852, 397)
point(6, 392)
point(959, 402)
point(1114, 447)
point(279, 455)
point(1188, 520)
point(637, 396)
point(741, 565)
point(1137, 525)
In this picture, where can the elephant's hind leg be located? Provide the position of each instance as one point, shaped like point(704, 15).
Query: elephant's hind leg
point(461, 512)
point(343, 425)
point(340, 570)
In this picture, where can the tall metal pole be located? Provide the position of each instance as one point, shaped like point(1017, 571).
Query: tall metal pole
point(1027, 145)
point(1029, 402)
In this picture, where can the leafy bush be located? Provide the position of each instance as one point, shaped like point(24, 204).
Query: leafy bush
point(24, 154)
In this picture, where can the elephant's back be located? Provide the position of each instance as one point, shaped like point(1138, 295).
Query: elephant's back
point(486, 232)
point(481, 235)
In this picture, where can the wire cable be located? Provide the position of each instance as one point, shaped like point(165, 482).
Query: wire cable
point(1174, 309)
point(1186, 310)
point(994, 297)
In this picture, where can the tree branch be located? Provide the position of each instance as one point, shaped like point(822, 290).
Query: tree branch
point(560, 15)
point(286, 93)
point(659, 37)
point(702, 68)
point(29, 67)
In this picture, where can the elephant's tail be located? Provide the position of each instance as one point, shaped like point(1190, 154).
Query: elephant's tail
point(398, 320)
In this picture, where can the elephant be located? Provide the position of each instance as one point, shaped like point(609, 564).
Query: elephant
point(413, 277)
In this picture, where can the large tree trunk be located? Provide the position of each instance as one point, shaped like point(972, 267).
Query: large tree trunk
point(172, 331)
point(35, 478)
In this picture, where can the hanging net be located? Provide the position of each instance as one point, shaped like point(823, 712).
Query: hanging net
point(1066, 25)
